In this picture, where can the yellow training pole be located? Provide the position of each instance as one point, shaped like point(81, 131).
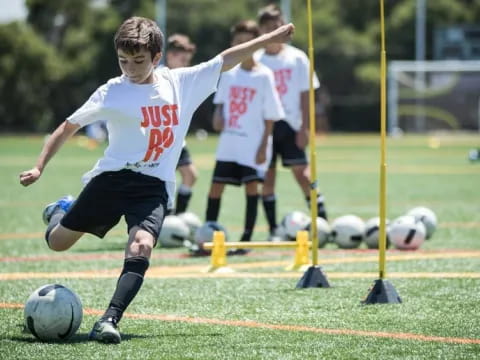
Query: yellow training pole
point(313, 155)
point(382, 240)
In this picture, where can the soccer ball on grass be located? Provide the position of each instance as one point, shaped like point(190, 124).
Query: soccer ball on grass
point(53, 313)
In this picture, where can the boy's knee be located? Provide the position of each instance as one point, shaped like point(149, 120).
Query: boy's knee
point(142, 244)
point(56, 243)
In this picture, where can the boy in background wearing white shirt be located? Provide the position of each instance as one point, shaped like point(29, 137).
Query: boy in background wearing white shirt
point(148, 112)
point(179, 53)
point(247, 105)
point(290, 136)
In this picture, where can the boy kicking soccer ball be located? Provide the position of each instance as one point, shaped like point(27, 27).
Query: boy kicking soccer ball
point(247, 104)
point(148, 112)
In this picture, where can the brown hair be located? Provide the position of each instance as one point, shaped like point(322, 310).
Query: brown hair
point(180, 42)
point(139, 33)
point(269, 13)
point(245, 26)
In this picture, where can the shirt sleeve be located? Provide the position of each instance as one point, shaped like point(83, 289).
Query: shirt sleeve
point(91, 110)
point(304, 70)
point(272, 105)
point(199, 81)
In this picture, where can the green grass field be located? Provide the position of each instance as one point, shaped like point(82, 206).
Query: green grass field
point(256, 313)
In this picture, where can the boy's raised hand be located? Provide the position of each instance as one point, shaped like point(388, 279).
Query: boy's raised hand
point(282, 34)
point(30, 176)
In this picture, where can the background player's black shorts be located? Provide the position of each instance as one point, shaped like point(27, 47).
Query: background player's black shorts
point(185, 158)
point(227, 172)
point(142, 199)
point(284, 145)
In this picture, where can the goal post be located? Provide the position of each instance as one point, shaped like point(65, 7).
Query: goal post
point(433, 95)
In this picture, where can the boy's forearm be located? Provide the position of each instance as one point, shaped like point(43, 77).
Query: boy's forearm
point(218, 120)
point(54, 142)
point(305, 107)
point(266, 133)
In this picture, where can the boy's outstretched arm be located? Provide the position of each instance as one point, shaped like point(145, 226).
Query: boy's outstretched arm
point(237, 54)
point(54, 142)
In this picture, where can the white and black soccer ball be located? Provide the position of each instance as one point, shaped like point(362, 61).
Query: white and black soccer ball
point(427, 217)
point(294, 222)
point(323, 231)
point(53, 313)
point(174, 232)
point(372, 228)
point(192, 220)
point(348, 231)
point(407, 233)
point(205, 234)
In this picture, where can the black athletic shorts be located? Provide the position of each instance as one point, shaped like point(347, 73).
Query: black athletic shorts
point(140, 198)
point(284, 145)
point(227, 172)
point(185, 158)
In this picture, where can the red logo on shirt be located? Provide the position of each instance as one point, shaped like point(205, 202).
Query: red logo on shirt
point(160, 120)
point(240, 97)
point(282, 77)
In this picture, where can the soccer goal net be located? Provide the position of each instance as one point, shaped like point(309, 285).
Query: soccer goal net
point(433, 95)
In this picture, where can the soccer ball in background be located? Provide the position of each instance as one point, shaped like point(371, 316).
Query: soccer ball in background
point(192, 220)
point(205, 234)
point(294, 222)
point(427, 217)
point(372, 228)
point(53, 313)
point(323, 231)
point(407, 233)
point(348, 231)
point(174, 232)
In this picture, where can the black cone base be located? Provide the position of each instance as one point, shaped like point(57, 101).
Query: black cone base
point(382, 292)
point(313, 277)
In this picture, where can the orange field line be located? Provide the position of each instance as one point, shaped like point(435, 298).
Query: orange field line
point(187, 274)
point(281, 327)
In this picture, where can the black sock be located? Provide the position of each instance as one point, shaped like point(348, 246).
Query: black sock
point(269, 205)
point(213, 208)
point(183, 198)
point(250, 217)
point(321, 211)
point(128, 285)
point(54, 221)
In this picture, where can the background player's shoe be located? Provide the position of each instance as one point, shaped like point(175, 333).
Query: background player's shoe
point(277, 235)
point(233, 252)
point(63, 203)
point(322, 212)
point(105, 331)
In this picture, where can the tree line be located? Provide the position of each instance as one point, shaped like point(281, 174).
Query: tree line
point(52, 62)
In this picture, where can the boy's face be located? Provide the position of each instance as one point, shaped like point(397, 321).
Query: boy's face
point(178, 58)
point(138, 67)
point(270, 25)
point(241, 37)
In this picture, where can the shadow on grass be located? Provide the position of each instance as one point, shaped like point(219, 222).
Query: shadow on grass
point(76, 339)
point(80, 338)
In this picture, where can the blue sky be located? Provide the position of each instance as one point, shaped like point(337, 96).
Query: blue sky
point(11, 10)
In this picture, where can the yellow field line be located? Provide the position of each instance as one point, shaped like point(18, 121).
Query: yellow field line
point(281, 327)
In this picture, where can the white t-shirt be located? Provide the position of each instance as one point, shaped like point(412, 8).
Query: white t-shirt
point(249, 98)
point(291, 68)
point(147, 123)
